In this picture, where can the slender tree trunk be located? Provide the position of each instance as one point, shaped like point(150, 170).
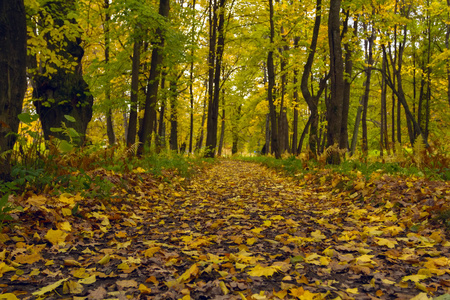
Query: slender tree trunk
point(13, 80)
point(161, 136)
point(305, 130)
point(335, 105)
point(153, 83)
point(294, 148)
point(213, 107)
point(234, 148)
point(173, 116)
point(222, 127)
point(370, 61)
point(384, 143)
point(343, 142)
point(132, 121)
point(199, 143)
point(270, 94)
point(109, 119)
point(447, 46)
point(191, 81)
point(310, 99)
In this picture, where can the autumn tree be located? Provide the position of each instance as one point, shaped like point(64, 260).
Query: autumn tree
point(335, 104)
point(13, 52)
point(61, 95)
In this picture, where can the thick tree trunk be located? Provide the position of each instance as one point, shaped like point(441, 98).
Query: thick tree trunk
point(151, 99)
point(13, 81)
point(64, 92)
point(335, 105)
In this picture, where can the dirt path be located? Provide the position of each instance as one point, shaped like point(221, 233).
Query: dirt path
point(235, 231)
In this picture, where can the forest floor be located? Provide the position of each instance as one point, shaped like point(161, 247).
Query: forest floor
point(235, 230)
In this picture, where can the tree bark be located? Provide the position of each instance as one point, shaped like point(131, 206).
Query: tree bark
point(151, 99)
point(335, 105)
point(270, 93)
point(213, 107)
point(132, 118)
point(13, 82)
point(64, 92)
point(173, 116)
point(311, 99)
point(109, 119)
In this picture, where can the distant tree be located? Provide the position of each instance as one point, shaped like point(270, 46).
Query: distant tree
point(13, 83)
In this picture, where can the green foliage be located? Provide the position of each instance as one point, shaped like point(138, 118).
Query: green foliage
point(6, 208)
point(295, 166)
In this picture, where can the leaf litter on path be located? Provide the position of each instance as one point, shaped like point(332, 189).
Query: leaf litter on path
point(235, 231)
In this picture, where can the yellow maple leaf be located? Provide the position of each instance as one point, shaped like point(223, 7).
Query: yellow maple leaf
point(318, 235)
point(281, 294)
point(414, 278)
point(88, 280)
point(386, 242)
point(72, 287)
point(144, 289)
point(37, 200)
point(277, 218)
point(8, 296)
point(66, 198)
point(56, 236)
point(28, 258)
point(5, 268)
point(192, 271)
point(251, 241)
point(49, 288)
point(151, 251)
point(259, 270)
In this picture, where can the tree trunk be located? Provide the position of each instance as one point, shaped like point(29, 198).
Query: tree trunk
point(161, 136)
point(222, 127)
point(173, 116)
point(343, 143)
point(151, 99)
point(447, 46)
point(213, 107)
point(109, 119)
point(13, 81)
point(335, 105)
point(132, 118)
point(384, 140)
point(311, 99)
point(295, 99)
point(370, 40)
point(191, 81)
point(270, 94)
point(64, 92)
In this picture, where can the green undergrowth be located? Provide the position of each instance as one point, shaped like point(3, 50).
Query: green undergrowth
point(88, 170)
point(294, 166)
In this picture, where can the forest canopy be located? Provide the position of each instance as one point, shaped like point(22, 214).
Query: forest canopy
point(221, 77)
